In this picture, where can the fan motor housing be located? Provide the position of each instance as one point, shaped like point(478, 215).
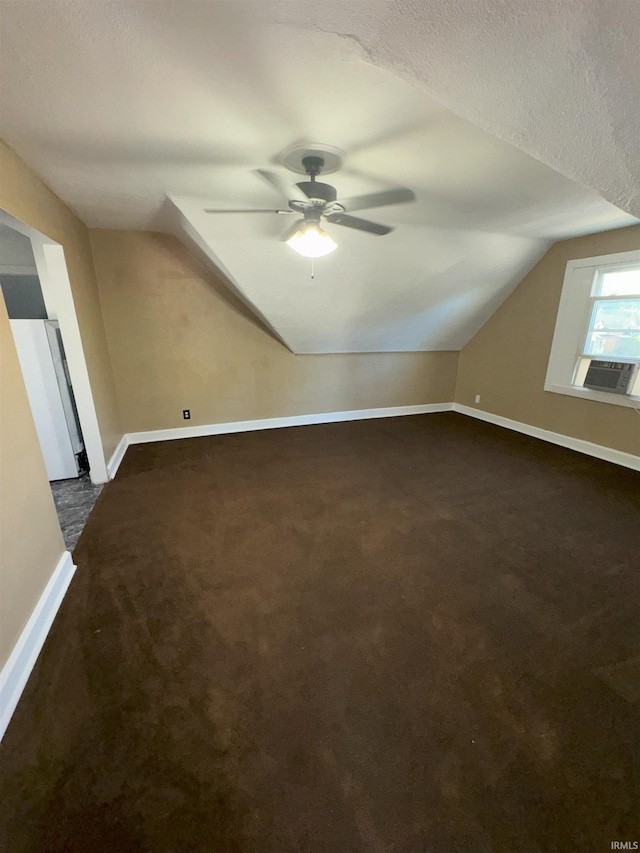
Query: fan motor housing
point(318, 190)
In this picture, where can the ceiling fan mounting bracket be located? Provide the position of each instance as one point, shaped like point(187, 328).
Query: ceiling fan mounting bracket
point(293, 157)
point(313, 165)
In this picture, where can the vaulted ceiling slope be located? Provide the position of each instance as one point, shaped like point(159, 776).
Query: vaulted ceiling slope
point(559, 79)
point(120, 105)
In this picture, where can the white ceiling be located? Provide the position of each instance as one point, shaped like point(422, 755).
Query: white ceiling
point(118, 105)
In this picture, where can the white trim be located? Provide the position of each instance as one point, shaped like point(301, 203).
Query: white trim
point(117, 456)
point(22, 659)
point(624, 400)
point(51, 268)
point(618, 457)
point(54, 279)
point(277, 423)
point(572, 321)
point(614, 259)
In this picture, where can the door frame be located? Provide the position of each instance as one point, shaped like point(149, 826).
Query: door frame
point(52, 271)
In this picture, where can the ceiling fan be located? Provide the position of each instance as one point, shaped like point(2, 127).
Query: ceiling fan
point(317, 201)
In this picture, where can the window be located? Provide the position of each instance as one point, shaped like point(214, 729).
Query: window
point(598, 318)
point(614, 326)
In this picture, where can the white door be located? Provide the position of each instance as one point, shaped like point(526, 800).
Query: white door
point(40, 380)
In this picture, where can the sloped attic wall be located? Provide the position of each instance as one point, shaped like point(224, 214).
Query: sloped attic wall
point(506, 362)
point(179, 340)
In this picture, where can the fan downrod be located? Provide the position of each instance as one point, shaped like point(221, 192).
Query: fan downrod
point(316, 190)
point(313, 166)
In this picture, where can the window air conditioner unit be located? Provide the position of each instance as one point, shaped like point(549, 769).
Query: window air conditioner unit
point(613, 376)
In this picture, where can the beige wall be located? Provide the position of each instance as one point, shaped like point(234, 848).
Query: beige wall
point(30, 539)
point(178, 340)
point(506, 362)
point(31, 542)
point(27, 198)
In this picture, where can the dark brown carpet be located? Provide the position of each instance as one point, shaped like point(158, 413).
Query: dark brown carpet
point(414, 634)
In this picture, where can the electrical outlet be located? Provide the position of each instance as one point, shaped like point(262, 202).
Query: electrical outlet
point(477, 398)
point(186, 414)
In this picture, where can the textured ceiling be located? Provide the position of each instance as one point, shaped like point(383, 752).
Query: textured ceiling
point(118, 105)
point(559, 79)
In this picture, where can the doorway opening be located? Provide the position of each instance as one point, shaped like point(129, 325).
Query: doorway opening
point(35, 286)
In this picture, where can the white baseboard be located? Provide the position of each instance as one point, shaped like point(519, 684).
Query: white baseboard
point(22, 659)
point(618, 457)
point(117, 457)
point(277, 423)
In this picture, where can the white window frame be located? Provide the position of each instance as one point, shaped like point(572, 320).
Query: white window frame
point(574, 315)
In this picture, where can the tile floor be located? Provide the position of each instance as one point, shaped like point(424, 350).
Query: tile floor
point(74, 500)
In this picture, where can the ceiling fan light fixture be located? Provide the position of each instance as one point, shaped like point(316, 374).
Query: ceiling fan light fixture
point(311, 241)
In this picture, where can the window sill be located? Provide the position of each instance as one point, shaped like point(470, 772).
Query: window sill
point(626, 400)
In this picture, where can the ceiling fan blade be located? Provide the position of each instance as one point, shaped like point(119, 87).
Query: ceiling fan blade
point(291, 231)
point(256, 210)
point(396, 196)
point(359, 224)
point(287, 191)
